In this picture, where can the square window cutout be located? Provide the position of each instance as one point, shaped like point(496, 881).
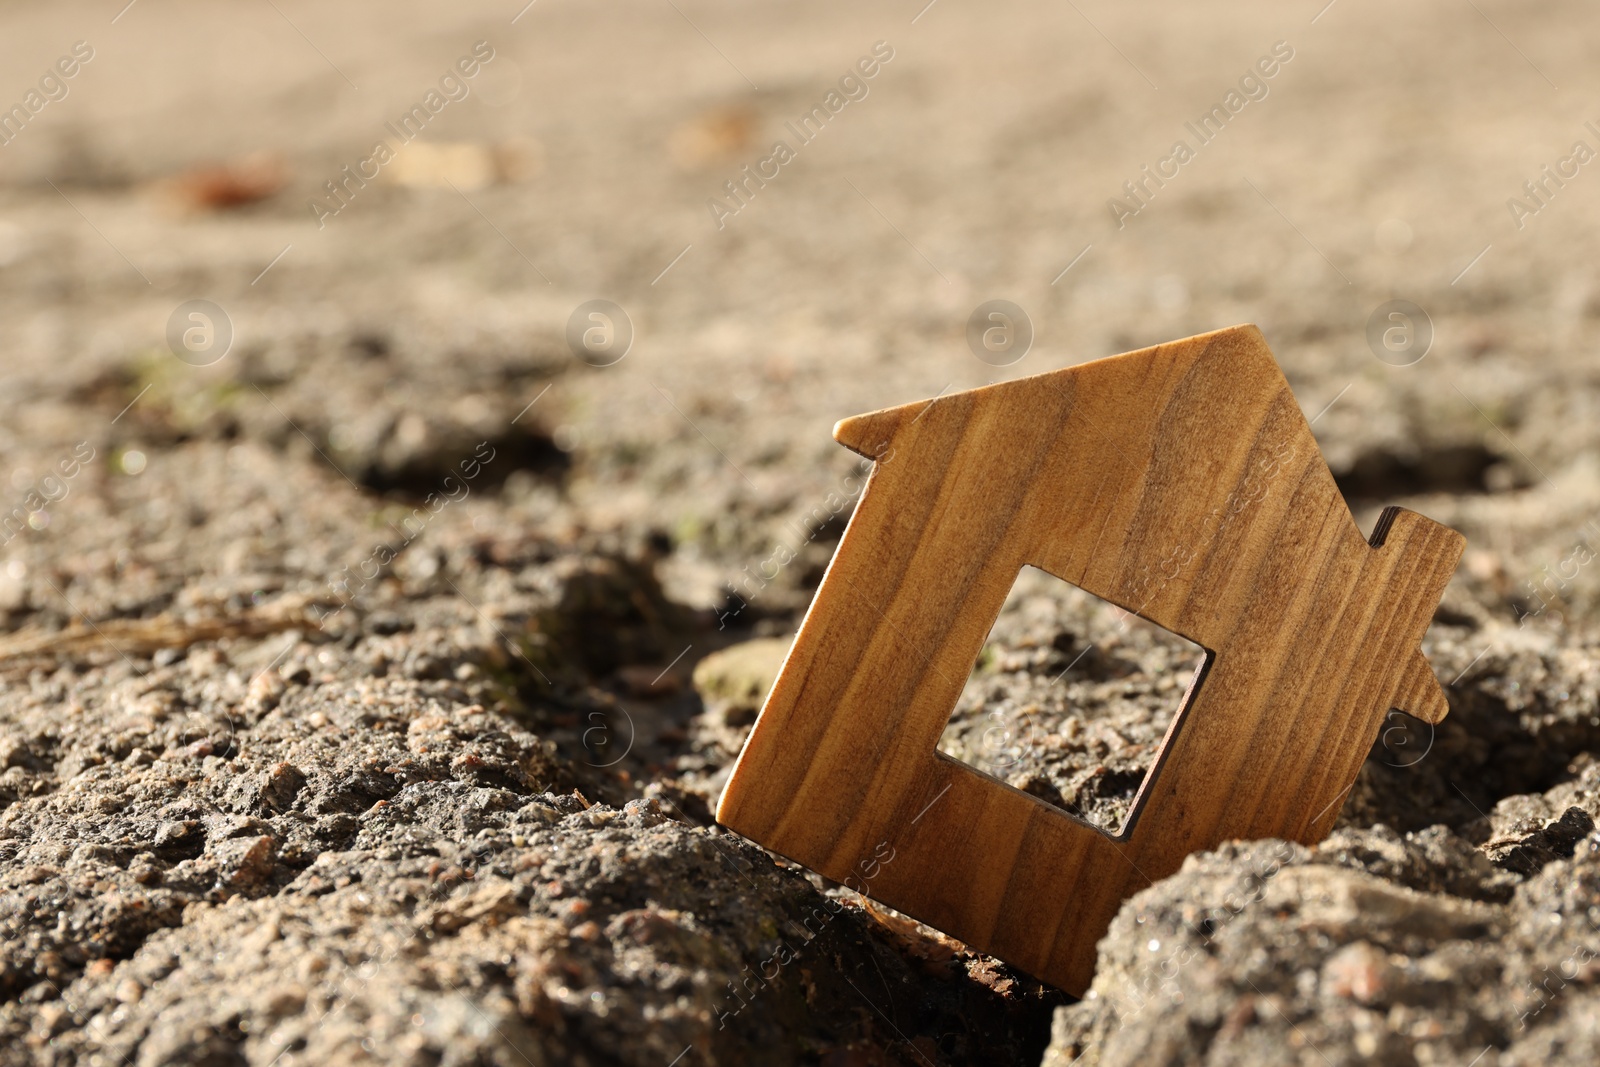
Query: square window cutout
point(1071, 698)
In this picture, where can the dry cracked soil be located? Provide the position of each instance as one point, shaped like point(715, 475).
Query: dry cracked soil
point(371, 663)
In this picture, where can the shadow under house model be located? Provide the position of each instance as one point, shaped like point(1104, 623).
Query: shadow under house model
point(1179, 482)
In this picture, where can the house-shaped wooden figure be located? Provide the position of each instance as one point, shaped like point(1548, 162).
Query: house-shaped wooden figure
point(1103, 475)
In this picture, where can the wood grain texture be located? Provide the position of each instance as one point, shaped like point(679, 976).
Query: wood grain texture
point(1179, 482)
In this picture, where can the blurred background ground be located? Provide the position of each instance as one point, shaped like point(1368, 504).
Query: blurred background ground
point(298, 764)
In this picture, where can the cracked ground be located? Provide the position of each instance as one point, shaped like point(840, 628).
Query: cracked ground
point(366, 689)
